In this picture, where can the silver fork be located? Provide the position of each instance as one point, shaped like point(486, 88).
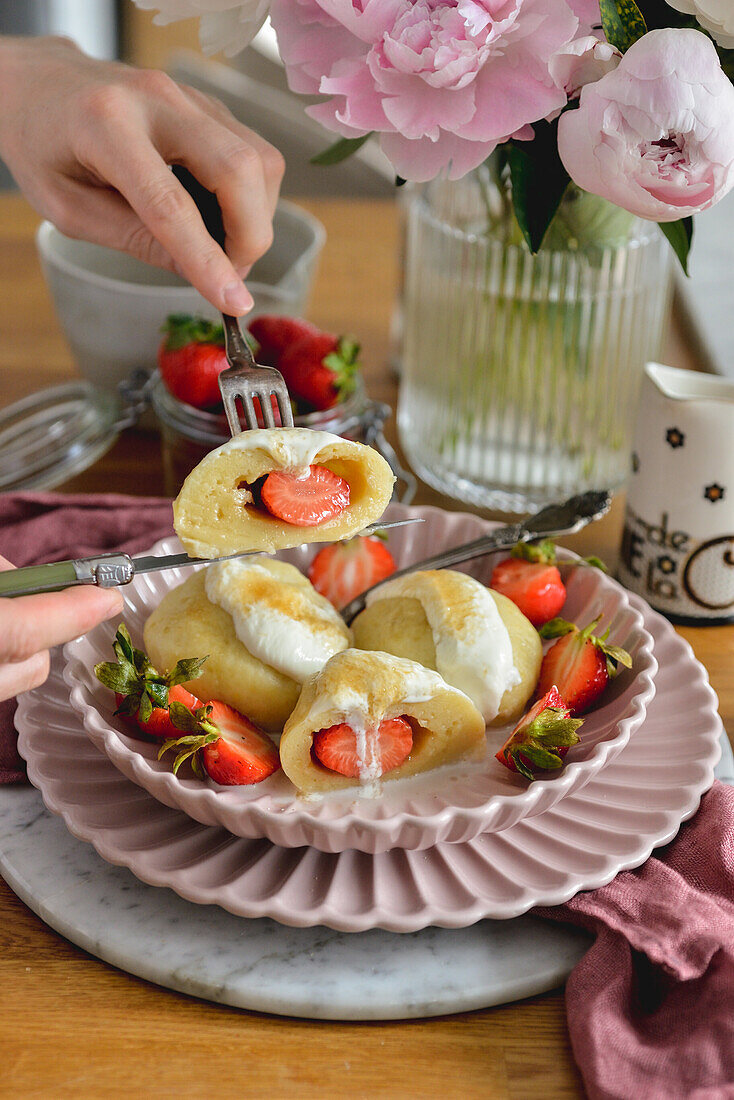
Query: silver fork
point(244, 380)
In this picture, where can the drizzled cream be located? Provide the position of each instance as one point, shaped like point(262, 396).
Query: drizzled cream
point(286, 625)
point(472, 643)
point(288, 447)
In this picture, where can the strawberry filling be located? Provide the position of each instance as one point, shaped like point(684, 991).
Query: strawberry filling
point(368, 755)
point(303, 498)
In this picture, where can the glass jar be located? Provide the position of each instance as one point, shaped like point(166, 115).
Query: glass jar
point(521, 373)
point(187, 434)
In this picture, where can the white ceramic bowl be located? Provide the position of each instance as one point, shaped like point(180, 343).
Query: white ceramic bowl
point(111, 306)
point(446, 805)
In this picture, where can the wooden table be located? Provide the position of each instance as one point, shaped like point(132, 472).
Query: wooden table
point(76, 1027)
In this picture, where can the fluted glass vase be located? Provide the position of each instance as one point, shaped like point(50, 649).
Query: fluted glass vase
point(520, 372)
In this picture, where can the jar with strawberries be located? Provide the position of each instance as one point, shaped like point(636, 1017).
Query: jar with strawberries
point(322, 373)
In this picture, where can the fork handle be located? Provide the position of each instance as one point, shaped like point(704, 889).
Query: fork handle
point(206, 203)
point(208, 206)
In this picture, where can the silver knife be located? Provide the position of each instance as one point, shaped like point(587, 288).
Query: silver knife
point(112, 570)
point(564, 518)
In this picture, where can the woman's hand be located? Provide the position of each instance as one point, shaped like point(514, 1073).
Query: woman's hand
point(89, 142)
point(30, 625)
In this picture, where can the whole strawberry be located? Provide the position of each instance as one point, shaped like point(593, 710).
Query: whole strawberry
point(580, 664)
point(143, 694)
point(274, 333)
point(541, 738)
point(191, 358)
point(320, 369)
point(530, 578)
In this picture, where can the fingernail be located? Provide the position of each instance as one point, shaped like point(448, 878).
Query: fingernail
point(237, 298)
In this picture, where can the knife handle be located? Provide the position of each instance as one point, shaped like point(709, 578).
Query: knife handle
point(105, 570)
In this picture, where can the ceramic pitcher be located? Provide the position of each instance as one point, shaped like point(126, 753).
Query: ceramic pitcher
point(678, 545)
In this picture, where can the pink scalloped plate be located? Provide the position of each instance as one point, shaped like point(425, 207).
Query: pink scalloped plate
point(634, 805)
point(450, 805)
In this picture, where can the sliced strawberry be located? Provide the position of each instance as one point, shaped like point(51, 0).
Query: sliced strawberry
point(305, 499)
point(579, 663)
point(387, 747)
point(344, 569)
point(320, 369)
point(226, 744)
point(530, 578)
point(541, 738)
point(275, 333)
point(143, 694)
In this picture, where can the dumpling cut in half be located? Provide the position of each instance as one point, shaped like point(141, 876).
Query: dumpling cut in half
point(263, 626)
point(477, 639)
point(369, 717)
point(271, 488)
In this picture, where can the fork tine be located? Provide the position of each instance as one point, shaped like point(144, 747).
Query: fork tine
point(267, 409)
point(284, 406)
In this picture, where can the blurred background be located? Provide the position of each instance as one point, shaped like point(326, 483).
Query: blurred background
point(253, 87)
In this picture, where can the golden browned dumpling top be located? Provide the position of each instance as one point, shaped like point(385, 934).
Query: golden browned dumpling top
point(277, 614)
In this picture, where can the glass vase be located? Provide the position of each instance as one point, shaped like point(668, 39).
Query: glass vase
point(520, 372)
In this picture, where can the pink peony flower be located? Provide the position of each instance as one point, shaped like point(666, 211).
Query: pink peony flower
point(656, 135)
point(442, 81)
point(582, 62)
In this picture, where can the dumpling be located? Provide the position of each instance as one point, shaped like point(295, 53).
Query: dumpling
point(265, 630)
point(477, 639)
point(364, 692)
point(221, 508)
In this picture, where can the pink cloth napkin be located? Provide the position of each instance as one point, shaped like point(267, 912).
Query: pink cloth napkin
point(38, 527)
point(651, 1004)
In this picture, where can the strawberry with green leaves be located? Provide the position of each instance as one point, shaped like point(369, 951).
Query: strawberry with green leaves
point(580, 663)
point(531, 579)
point(143, 694)
point(541, 738)
point(191, 358)
point(320, 369)
point(220, 742)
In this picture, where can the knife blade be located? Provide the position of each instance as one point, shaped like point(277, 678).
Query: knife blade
point(116, 569)
point(563, 518)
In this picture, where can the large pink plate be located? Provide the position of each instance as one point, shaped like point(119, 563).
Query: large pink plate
point(636, 803)
point(446, 806)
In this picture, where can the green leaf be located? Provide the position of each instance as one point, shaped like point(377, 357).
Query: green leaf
point(542, 758)
point(157, 692)
point(339, 151)
point(183, 718)
point(128, 707)
point(543, 551)
point(123, 645)
point(538, 182)
point(182, 329)
point(145, 709)
point(556, 628)
point(680, 236)
point(187, 748)
point(187, 669)
point(116, 677)
point(622, 22)
point(520, 764)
